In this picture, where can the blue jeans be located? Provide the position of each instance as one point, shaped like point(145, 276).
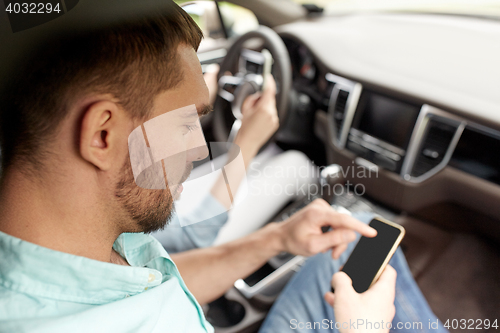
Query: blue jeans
point(301, 307)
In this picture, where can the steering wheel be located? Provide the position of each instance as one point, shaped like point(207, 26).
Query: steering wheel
point(233, 89)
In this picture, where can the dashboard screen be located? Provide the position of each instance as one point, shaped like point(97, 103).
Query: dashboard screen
point(386, 119)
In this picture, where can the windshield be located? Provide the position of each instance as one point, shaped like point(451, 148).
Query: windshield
point(461, 7)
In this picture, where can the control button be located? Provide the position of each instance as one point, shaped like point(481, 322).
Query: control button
point(366, 164)
point(430, 153)
point(385, 162)
point(356, 148)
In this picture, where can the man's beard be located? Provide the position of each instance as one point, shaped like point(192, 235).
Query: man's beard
point(150, 210)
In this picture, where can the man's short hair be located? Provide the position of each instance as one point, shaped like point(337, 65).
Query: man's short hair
point(134, 62)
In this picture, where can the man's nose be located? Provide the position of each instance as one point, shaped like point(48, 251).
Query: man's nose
point(197, 147)
point(197, 154)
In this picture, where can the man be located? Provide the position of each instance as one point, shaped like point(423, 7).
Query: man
point(74, 253)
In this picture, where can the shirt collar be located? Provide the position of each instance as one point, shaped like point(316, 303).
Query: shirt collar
point(36, 270)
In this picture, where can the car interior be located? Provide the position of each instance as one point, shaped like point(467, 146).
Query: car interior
point(398, 107)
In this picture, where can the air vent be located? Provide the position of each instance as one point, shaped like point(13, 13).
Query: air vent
point(435, 144)
point(341, 107)
point(339, 110)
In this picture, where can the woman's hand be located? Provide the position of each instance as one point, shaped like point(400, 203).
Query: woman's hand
point(260, 118)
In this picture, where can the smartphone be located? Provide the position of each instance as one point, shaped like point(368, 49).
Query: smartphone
point(370, 256)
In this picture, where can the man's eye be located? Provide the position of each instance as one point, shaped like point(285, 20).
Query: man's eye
point(190, 128)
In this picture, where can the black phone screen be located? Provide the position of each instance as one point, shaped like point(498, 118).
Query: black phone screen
point(369, 254)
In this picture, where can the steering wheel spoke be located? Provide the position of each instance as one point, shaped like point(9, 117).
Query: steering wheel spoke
point(227, 86)
point(234, 130)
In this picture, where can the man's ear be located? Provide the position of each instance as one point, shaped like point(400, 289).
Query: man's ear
point(102, 129)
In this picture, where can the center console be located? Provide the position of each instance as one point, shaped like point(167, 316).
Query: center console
point(413, 140)
point(381, 130)
point(413, 157)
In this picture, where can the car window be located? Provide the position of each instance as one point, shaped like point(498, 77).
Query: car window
point(236, 20)
point(489, 8)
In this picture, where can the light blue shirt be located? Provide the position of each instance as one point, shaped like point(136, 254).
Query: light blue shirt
point(203, 225)
point(43, 290)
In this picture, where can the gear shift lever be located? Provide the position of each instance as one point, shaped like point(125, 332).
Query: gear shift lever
point(328, 177)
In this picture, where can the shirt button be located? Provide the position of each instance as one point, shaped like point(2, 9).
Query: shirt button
point(151, 278)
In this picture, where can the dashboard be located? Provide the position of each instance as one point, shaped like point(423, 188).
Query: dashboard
point(429, 157)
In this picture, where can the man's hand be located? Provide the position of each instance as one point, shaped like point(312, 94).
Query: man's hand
point(302, 233)
point(260, 118)
point(210, 272)
point(375, 305)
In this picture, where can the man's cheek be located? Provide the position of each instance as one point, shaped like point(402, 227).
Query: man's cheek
point(175, 168)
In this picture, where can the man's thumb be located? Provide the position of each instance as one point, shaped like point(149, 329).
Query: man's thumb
point(341, 281)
